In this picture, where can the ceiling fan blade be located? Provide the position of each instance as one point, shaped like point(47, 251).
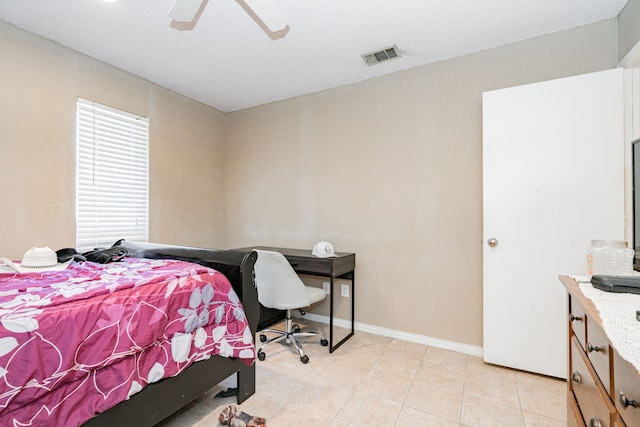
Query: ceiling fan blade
point(184, 10)
point(269, 13)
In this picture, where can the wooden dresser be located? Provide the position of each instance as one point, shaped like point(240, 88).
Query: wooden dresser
point(602, 389)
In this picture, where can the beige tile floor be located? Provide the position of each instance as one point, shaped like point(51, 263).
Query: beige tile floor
point(378, 381)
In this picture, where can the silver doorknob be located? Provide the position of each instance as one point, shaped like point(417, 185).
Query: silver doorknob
point(492, 242)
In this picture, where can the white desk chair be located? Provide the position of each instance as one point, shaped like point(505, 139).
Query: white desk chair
point(279, 287)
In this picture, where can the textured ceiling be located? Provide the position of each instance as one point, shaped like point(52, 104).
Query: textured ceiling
point(228, 61)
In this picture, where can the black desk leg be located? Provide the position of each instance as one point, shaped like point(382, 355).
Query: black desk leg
point(331, 293)
point(350, 276)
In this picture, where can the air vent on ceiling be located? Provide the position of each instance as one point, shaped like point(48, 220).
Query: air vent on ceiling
point(381, 56)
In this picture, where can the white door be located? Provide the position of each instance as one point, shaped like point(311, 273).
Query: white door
point(553, 180)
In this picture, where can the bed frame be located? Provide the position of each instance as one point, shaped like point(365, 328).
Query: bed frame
point(159, 400)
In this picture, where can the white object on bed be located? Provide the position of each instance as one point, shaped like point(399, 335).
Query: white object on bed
point(34, 260)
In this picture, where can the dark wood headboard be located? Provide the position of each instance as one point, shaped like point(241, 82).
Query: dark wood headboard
point(235, 265)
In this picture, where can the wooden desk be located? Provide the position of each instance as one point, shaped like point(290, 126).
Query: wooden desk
point(340, 267)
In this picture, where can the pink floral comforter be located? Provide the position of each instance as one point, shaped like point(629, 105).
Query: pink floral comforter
point(79, 341)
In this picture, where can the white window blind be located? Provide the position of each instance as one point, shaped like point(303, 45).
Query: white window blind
point(111, 176)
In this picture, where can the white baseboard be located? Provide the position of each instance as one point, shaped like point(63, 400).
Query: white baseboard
point(401, 335)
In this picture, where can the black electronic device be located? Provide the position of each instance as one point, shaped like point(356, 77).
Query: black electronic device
point(618, 284)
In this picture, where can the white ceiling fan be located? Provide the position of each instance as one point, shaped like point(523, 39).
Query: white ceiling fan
point(266, 11)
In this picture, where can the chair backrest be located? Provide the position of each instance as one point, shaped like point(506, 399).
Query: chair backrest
point(278, 284)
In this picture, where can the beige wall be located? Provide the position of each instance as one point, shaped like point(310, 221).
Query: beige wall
point(41, 82)
point(391, 169)
point(628, 27)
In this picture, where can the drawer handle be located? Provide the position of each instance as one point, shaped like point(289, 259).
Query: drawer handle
point(594, 422)
point(626, 402)
point(574, 318)
point(591, 348)
point(576, 378)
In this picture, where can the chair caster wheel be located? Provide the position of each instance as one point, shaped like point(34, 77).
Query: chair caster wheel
point(261, 356)
point(296, 329)
point(263, 337)
point(304, 359)
point(324, 342)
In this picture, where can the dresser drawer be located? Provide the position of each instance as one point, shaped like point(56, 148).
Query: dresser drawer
point(595, 406)
point(598, 352)
point(626, 390)
point(574, 417)
point(578, 316)
point(617, 422)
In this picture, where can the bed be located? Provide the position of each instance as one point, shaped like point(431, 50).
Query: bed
point(165, 324)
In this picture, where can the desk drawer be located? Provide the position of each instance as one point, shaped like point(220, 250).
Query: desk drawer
point(577, 316)
point(323, 266)
point(310, 265)
point(626, 390)
point(592, 399)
